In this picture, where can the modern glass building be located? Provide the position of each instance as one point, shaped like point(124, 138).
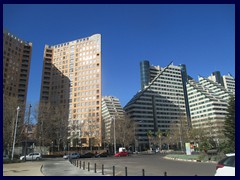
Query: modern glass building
point(160, 103)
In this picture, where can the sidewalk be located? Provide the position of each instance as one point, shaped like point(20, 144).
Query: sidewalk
point(35, 169)
point(23, 169)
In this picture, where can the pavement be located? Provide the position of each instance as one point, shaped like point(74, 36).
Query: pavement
point(23, 169)
point(35, 168)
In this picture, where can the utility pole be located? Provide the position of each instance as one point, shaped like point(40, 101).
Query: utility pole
point(15, 132)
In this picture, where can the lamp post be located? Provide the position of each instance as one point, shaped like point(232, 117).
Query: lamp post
point(25, 150)
point(15, 132)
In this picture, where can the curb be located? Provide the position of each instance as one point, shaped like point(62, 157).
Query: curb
point(41, 169)
point(178, 159)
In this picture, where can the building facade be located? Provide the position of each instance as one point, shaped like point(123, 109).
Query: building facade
point(229, 83)
point(160, 103)
point(71, 78)
point(111, 111)
point(208, 102)
point(16, 67)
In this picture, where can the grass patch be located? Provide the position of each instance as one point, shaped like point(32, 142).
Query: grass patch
point(183, 156)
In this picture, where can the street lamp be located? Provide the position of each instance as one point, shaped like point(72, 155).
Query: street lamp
point(15, 132)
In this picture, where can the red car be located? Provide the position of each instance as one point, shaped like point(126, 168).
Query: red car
point(121, 154)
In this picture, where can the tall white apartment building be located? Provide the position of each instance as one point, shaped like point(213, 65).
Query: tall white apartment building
point(71, 79)
point(208, 104)
point(111, 111)
point(229, 83)
point(159, 103)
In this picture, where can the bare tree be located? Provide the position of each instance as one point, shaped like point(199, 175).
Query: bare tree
point(124, 130)
point(10, 105)
point(51, 124)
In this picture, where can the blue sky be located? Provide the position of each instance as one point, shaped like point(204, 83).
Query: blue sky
point(200, 36)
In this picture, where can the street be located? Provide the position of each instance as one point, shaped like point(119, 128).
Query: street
point(153, 165)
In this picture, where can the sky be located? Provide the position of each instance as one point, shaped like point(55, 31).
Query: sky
point(200, 36)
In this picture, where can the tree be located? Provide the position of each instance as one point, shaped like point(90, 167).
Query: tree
point(124, 130)
point(51, 124)
point(159, 135)
point(229, 125)
point(10, 105)
point(149, 135)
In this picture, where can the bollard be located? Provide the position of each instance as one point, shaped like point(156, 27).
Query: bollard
point(95, 168)
point(102, 169)
point(143, 172)
point(113, 170)
point(77, 163)
point(165, 173)
point(84, 165)
point(88, 166)
point(125, 171)
point(80, 165)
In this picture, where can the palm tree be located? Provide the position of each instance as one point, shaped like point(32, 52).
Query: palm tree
point(159, 135)
point(149, 135)
point(167, 138)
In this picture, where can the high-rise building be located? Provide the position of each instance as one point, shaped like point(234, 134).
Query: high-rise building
point(208, 104)
point(71, 78)
point(160, 103)
point(16, 67)
point(111, 111)
point(216, 77)
point(229, 83)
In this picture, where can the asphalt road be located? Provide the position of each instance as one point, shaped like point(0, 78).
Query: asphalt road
point(153, 165)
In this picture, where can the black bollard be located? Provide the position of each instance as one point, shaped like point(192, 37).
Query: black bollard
point(80, 166)
point(102, 169)
point(95, 168)
point(113, 170)
point(125, 171)
point(84, 165)
point(165, 173)
point(88, 166)
point(143, 172)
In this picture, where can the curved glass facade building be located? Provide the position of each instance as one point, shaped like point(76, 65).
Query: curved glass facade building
point(145, 74)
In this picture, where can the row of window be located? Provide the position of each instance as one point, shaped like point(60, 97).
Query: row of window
point(79, 40)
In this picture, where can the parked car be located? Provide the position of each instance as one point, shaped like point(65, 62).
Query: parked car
point(103, 154)
point(226, 166)
point(32, 156)
point(73, 155)
point(88, 155)
point(122, 153)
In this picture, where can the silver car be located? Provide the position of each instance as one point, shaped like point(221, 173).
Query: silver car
point(32, 156)
point(74, 155)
